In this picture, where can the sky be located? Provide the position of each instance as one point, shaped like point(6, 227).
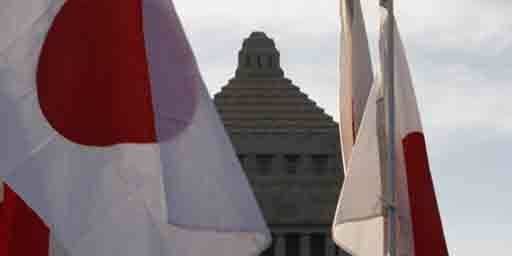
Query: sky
point(460, 54)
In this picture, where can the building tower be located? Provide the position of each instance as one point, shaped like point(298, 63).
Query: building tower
point(288, 147)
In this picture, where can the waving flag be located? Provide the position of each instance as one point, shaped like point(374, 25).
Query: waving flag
point(420, 230)
point(110, 142)
point(361, 224)
point(357, 75)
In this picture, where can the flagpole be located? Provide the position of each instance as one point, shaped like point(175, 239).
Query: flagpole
point(390, 98)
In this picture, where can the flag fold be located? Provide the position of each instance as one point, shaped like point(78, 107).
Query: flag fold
point(356, 73)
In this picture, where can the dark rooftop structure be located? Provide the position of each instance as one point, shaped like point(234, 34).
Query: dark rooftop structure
point(259, 96)
point(289, 148)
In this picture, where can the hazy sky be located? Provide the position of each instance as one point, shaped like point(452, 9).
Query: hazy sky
point(461, 58)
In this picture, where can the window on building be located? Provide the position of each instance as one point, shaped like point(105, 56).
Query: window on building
point(247, 61)
point(270, 62)
point(320, 164)
point(292, 245)
point(260, 65)
point(242, 158)
point(317, 244)
point(292, 163)
point(264, 164)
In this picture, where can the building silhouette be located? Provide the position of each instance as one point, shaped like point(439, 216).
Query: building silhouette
point(289, 148)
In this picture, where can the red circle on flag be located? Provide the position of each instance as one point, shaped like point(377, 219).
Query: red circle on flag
point(93, 81)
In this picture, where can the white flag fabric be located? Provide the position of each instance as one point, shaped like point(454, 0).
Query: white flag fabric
point(357, 74)
point(360, 224)
point(110, 142)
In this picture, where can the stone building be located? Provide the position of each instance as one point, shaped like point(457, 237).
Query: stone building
point(289, 148)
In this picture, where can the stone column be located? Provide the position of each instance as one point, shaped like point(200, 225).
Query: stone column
point(250, 165)
point(305, 248)
point(280, 247)
point(279, 165)
point(305, 165)
point(330, 247)
point(332, 165)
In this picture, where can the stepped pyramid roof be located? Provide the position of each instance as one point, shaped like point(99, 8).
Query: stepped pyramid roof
point(260, 97)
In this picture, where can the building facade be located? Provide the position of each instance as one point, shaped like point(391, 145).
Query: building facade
point(289, 148)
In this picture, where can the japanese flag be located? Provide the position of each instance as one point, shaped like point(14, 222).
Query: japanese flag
point(110, 142)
